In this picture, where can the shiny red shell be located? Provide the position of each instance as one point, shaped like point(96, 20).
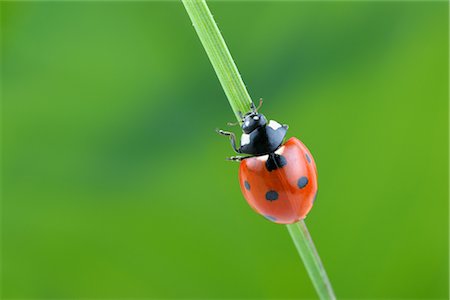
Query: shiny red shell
point(284, 195)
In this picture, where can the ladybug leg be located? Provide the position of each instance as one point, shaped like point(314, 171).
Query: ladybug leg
point(286, 126)
point(232, 139)
point(237, 158)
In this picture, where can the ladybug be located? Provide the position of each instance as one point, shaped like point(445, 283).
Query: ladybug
point(278, 180)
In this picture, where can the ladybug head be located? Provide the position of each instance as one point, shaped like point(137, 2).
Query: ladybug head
point(253, 120)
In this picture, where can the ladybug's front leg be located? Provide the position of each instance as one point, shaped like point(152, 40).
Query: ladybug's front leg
point(237, 158)
point(232, 139)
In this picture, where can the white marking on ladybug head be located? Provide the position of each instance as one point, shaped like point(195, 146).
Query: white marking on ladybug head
point(274, 125)
point(245, 139)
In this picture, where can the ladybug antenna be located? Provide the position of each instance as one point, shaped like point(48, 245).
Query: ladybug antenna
point(232, 123)
point(260, 104)
point(255, 109)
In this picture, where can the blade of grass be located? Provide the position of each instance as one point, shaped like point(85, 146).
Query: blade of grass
point(219, 55)
point(305, 247)
point(240, 101)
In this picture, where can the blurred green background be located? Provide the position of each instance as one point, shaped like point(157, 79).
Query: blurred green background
point(115, 183)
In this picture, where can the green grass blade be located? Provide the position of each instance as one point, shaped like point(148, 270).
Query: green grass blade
point(313, 264)
point(240, 101)
point(219, 55)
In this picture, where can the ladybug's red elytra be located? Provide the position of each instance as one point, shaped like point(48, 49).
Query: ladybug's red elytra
point(279, 181)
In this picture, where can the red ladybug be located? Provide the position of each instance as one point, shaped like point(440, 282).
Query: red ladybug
point(279, 181)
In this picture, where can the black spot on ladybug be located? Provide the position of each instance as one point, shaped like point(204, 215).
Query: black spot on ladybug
point(247, 185)
point(302, 182)
point(308, 158)
point(271, 196)
point(270, 218)
point(275, 161)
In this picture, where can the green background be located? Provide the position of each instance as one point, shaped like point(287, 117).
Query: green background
point(115, 184)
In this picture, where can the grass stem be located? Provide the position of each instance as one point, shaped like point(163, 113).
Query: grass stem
point(240, 101)
point(305, 247)
point(219, 55)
